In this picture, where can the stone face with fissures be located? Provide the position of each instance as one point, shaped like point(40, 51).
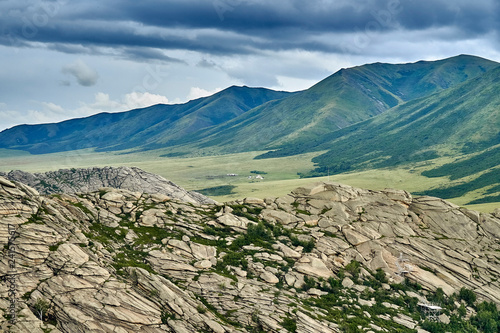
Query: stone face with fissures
point(117, 260)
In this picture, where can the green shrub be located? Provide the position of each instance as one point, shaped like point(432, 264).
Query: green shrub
point(380, 276)
point(289, 324)
point(467, 295)
point(257, 234)
point(309, 283)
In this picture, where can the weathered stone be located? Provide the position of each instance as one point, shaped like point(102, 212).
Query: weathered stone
point(290, 279)
point(405, 321)
point(68, 254)
point(269, 277)
point(307, 324)
point(444, 319)
point(316, 292)
point(203, 264)
point(354, 237)
point(233, 221)
point(324, 223)
point(93, 179)
point(279, 216)
point(113, 196)
point(5, 182)
point(215, 326)
point(444, 218)
point(347, 282)
point(254, 201)
point(201, 251)
point(363, 302)
point(314, 267)
point(159, 197)
point(67, 258)
point(288, 252)
point(180, 246)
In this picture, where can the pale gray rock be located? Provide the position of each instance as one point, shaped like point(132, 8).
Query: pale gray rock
point(92, 179)
point(287, 251)
point(279, 216)
point(354, 237)
point(203, 264)
point(80, 252)
point(5, 182)
point(237, 223)
point(269, 277)
point(444, 319)
point(347, 282)
point(405, 321)
point(313, 266)
point(444, 218)
point(308, 325)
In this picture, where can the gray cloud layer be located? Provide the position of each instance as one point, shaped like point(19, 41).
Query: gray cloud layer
point(149, 29)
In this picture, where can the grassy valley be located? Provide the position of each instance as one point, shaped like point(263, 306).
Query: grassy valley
point(211, 172)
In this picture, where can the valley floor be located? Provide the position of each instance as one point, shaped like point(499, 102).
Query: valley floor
point(233, 176)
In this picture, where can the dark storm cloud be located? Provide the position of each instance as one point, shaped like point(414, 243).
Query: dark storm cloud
point(227, 27)
point(253, 16)
point(470, 17)
point(147, 54)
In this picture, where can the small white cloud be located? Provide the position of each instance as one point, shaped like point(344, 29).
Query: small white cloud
point(51, 107)
point(104, 103)
point(48, 112)
point(85, 76)
point(197, 92)
point(139, 100)
point(10, 118)
point(133, 100)
point(39, 117)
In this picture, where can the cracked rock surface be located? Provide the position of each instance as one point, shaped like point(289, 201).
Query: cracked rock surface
point(120, 260)
point(92, 179)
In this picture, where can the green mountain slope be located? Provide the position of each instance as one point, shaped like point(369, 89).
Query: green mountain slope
point(463, 119)
point(466, 170)
point(467, 166)
point(116, 131)
point(243, 119)
point(343, 99)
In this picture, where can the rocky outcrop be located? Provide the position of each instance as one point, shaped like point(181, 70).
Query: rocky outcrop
point(322, 259)
point(92, 179)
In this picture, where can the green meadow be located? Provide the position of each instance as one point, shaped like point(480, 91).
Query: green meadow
point(227, 177)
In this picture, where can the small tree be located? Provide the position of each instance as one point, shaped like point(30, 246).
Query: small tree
point(467, 295)
point(41, 306)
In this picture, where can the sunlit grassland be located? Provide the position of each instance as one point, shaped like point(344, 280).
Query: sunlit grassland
point(190, 173)
point(204, 172)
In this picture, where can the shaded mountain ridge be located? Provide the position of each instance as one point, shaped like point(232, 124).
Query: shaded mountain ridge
point(457, 121)
point(243, 119)
point(345, 98)
point(136, 128)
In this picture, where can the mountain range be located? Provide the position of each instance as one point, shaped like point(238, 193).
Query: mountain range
point(152, 126)
point(370, 116)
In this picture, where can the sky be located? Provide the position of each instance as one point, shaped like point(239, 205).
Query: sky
point(64, 59)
